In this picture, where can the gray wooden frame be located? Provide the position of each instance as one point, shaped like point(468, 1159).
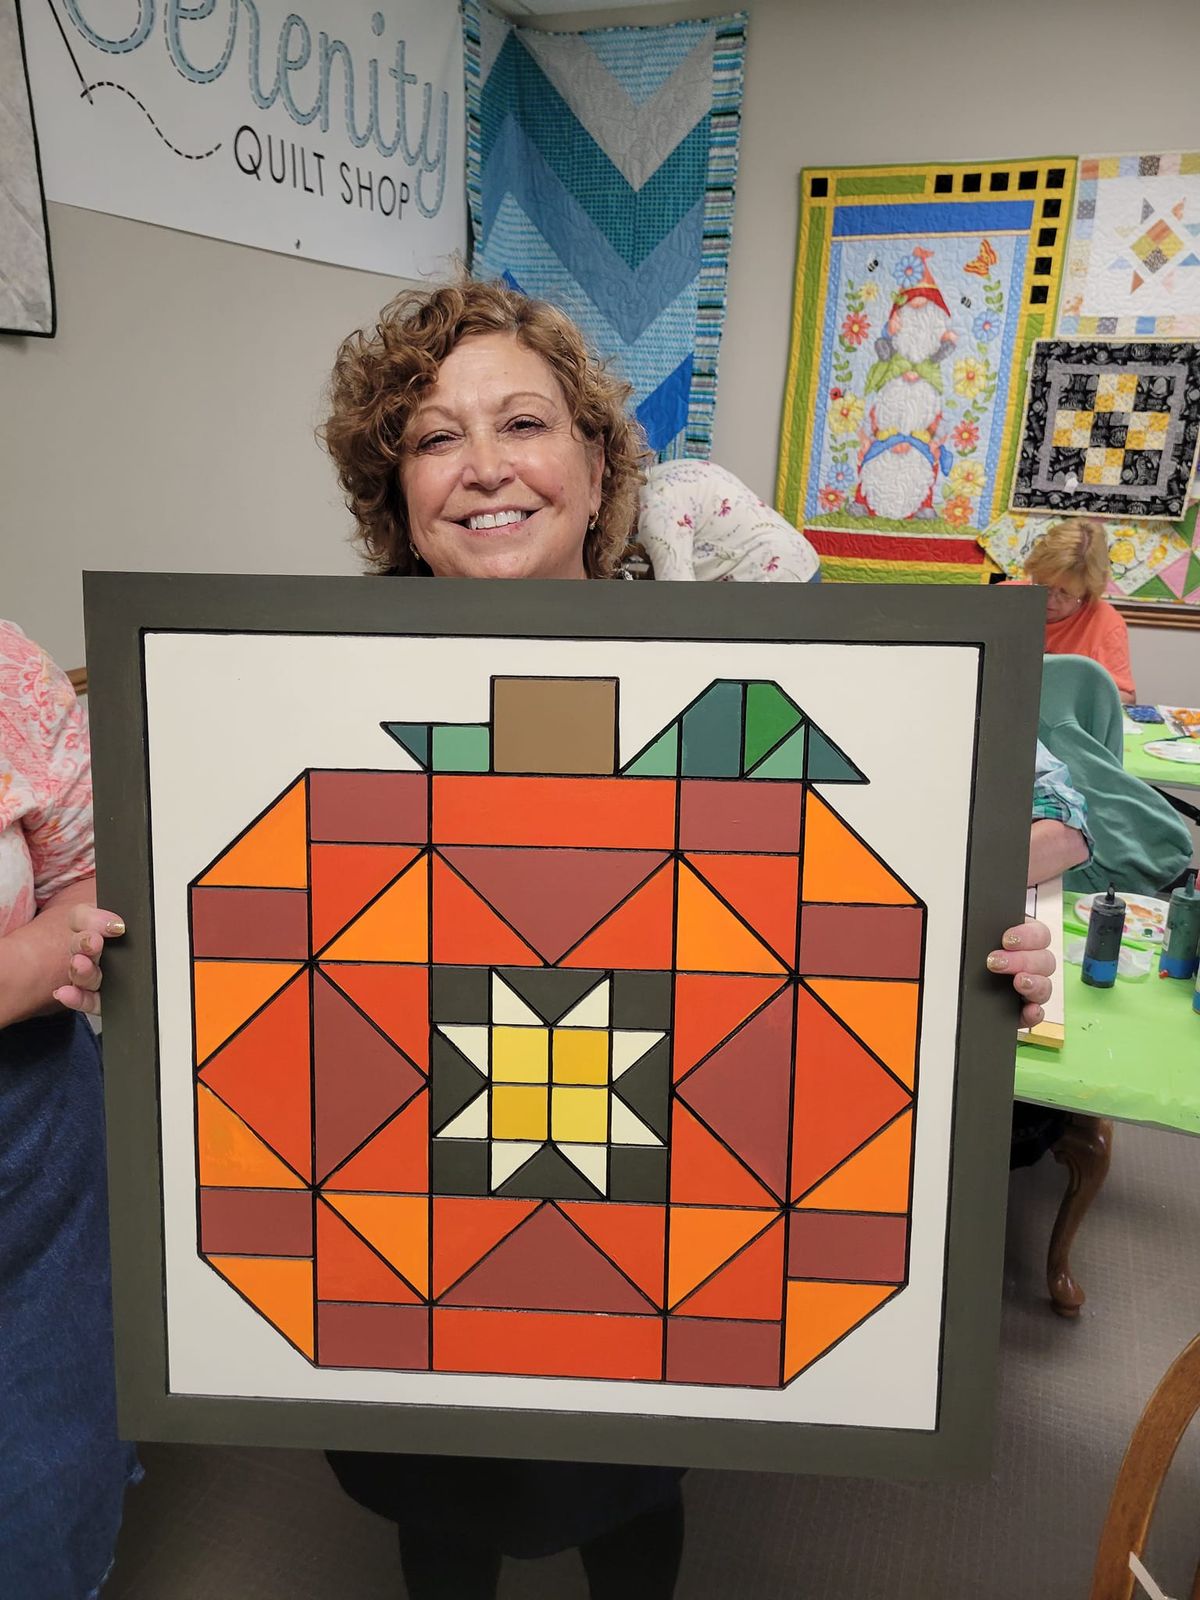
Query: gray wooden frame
point(1007, 627)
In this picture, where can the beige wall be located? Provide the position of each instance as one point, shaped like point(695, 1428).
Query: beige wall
point(170, 424)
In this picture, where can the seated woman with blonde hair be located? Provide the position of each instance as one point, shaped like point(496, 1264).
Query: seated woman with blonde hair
point(1070, 560)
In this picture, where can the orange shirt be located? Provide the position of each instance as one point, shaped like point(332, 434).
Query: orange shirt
point(1097, 630)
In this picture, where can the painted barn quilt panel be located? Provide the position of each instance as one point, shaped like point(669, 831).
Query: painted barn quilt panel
point(1111, 428)
point(531, 1061)
point(601, 169)
point(1133, 268)
point(919, 293)
point(557, 1025)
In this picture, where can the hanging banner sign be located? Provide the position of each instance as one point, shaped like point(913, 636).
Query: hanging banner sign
point(331, 129)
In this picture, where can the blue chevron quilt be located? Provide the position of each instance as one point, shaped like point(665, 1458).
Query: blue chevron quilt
point(600, 176)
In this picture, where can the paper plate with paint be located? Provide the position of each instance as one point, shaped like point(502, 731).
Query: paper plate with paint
point(1186, 750)
point(1145, 919)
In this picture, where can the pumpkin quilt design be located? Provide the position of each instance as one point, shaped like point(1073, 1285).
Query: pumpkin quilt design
point(527, 1061)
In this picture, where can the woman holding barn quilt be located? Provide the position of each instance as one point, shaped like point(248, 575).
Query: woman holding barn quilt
point(475, 436)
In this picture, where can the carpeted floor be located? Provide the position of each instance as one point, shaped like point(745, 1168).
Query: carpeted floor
point(225, 1524)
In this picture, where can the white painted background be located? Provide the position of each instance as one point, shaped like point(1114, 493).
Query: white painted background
point(220, 751)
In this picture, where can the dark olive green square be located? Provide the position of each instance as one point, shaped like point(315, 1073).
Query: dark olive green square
point(458, 1166)
point(637, 1175)
point(642, 999)
point(459, 994)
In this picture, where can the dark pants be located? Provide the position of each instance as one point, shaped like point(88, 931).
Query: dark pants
point(62, 1468)
point(637, 1561)
point(1034, 1130)
point(457, 1516)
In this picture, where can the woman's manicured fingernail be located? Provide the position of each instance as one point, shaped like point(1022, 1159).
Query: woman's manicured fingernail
point(1011, 940)
point(997, 963)
point(1025, 982)
point(115, 927)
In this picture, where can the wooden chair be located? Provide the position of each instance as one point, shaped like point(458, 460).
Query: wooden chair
point(1151, 1450)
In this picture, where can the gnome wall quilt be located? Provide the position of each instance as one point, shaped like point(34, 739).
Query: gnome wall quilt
point(1134, 262)
point(582, 1038)
point(919, 292)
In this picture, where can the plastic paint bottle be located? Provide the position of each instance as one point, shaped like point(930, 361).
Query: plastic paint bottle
point(1103, 948)
point(1180, 957)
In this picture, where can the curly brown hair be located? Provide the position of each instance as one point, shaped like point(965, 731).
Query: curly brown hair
point(378, 380)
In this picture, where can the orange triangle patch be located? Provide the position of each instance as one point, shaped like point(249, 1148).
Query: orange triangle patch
point(346, 877)
point(839, 868)
point(395, 927)
point(395, 1225)
point(708, 1007)
point(264, 1075)
point(395, 998)
point(230, 1155)
point(762, 890)
point(819, 1314)
point(348, 1269)
point(467, 932)
point(396, 1159)
point(631, 1236)
point(750, 1286)
point(842, 1096)
point(704, 1172)
point(272, 853)
point(711, 938)
point(701, 1239)
point(465, 1230)
point(882, 1014)
point(637, 934)
point(281, 1289)
point(876, 1179)
point(227, 993)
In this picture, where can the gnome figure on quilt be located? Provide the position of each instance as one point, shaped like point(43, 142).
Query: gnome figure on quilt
point(901, 455)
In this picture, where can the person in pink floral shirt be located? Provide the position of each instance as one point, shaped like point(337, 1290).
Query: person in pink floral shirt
point(63, 1469)
point(46, 860)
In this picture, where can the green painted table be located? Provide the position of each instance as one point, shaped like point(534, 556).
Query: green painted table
point(1132, 1054)
point(1171, 774)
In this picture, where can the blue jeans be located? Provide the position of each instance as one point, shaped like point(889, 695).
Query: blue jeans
point(63, 1470)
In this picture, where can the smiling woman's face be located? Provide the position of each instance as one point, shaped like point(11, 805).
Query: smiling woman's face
point(497, 482)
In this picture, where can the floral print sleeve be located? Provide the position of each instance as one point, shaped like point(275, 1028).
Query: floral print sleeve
point(45, 781)
point(697, 522)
